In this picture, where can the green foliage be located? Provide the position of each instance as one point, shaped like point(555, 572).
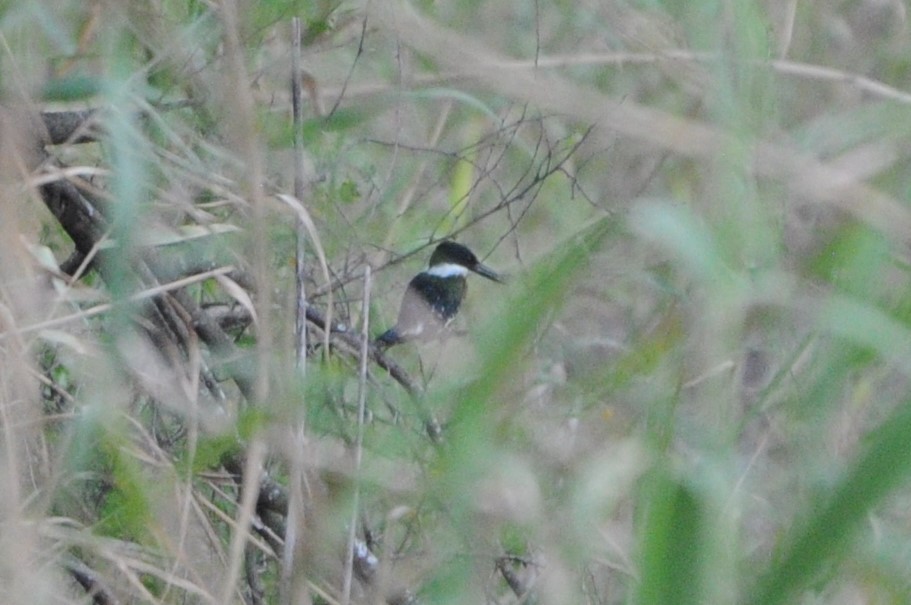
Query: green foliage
point(211, 451)
point(830, 523)
point(671, 542)
point(694, 388)
point(71, 88)
point(99, 449)
point(340, 121)
point(472, 438)
point(853, 261)
point(126, 510)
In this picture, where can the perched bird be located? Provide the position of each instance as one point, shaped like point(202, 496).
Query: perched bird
point(433, 296)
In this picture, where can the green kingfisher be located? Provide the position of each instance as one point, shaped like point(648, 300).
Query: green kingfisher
point(433, 296)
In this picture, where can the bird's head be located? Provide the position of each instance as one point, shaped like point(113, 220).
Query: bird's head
point(450, 259)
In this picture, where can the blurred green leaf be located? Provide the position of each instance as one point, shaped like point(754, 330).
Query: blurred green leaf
point(343, 119)
point(678, 230)
point(211, 451)
point(828, 526)
point(76, 87)
point(866, 326)
point(448, 584)
point(461, 184)
point(852, 260)
point(348, 192)
point(839, 130)
point(501, 342)
point(461, 96)
point(671, 543)
point(126, 512)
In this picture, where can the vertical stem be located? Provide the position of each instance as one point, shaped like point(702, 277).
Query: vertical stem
point(241, 129)
point(295, 591)
point(358, 446)
point(253, 469)
point(300, 327)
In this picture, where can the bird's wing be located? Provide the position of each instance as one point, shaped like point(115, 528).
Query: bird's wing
point(426, 307)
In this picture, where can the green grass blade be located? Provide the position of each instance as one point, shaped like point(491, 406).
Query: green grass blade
point(885, 465)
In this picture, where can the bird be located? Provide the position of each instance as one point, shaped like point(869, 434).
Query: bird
point(433, 296)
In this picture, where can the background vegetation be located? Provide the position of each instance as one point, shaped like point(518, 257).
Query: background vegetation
point(693, 389)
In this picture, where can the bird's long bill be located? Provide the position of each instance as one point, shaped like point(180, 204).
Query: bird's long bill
point(487, 272)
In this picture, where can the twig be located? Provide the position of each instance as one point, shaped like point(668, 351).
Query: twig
point(105, 307)
point(804, 174)
point(315, 316)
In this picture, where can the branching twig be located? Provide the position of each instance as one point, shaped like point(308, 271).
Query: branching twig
point(315, 316)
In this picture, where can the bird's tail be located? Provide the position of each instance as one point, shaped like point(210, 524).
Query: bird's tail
point(388, 338)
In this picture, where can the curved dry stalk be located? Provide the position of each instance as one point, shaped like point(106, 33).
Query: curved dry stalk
point(105, 307)
point(804, 174)
point(307, 223)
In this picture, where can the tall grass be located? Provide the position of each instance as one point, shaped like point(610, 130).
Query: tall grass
point(692, 389)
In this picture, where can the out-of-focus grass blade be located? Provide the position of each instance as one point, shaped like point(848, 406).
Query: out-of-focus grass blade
point(461, 182)
point(672, 544)
point(503, 339)
point(71, 88)
point(833, 132)
point(470, 443)
point(677, 229)
point(865, 325)
point(458, 96)
point(883, 466)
